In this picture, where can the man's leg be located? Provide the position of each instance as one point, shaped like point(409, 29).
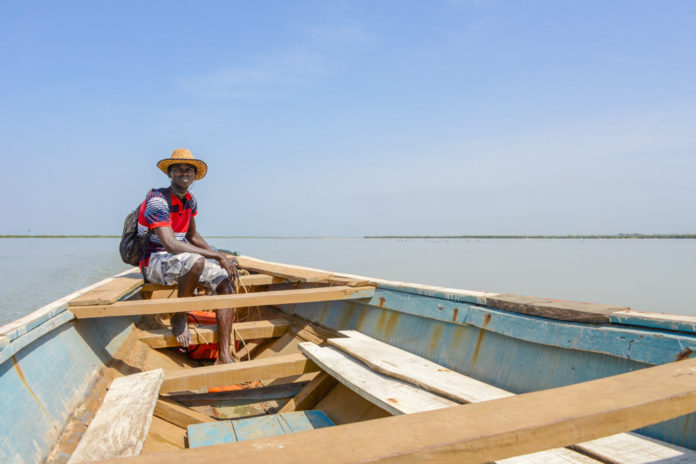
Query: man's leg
point(224, 324)
point(186, 286)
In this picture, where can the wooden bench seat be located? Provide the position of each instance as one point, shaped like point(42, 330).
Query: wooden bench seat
point(230, 431)
point(386, 360)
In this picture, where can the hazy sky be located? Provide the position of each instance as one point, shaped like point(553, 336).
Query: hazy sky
point(352, 118)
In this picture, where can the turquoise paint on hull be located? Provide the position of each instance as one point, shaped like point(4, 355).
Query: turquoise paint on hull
point(44, 382)
point(231, 431)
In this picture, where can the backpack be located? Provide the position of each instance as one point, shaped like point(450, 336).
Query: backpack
point(132, 246)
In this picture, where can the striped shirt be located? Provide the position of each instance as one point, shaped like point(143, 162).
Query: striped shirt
point(154, 212)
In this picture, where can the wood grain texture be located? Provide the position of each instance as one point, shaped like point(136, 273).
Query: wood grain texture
point(630, 448)
point(111, 291)
point(230, 374)
point(163, 338)
point(311, 394)
point(498, 429)
point(390, 394)
point(202, 303)
point(554, 309)
point(287, 271)
point(400, 364)
point(178, 414)
point(121, 425)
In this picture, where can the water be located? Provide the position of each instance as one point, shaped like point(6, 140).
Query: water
point(647, 275)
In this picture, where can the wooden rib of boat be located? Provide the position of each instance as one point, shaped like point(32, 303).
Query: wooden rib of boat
point(342, 368)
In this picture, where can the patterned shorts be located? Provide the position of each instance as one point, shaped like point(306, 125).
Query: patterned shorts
point(165, 269)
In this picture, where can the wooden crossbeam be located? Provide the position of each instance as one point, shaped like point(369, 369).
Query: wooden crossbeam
point(234, 373)
point(289, 272)
point(163, 338)
point(111, 291)
point(479, 432)
point(202, 303)
point(178, 414)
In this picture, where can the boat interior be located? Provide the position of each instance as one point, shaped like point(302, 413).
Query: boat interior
point(291, 375)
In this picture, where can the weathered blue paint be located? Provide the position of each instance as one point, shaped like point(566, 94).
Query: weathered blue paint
point(636, 319)
point(34, 334)
point(301, 421)
point(43, 383)
point(258, 427)
point(211, 433)
point(230, 431)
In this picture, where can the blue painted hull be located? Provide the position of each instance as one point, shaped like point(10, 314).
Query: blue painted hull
point(45, 376)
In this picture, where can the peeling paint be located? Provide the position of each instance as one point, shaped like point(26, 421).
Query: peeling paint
point(21, 376)
point(391, 324)
point(454, 314)
point(435, 338)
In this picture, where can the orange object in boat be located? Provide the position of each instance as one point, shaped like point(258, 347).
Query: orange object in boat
point(235, 387)
point(201, 317)
point(204, 351)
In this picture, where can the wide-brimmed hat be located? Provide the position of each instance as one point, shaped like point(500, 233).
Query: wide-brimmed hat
point(183, 156)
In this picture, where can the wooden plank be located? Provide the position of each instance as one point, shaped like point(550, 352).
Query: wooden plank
point(163, 436)
point(163, 338)
point(271, 392)
point(393, 395)
point(415, 370)
point(403, 365)
point(289, 272)
point(211, 434)
point(258, 427)
point(554, 309)
point(301, 421)
point(230, 374)
point(252, 428)
point(552, 456)
point(202, 303)
point(121, 424)
point(311, 394)
point(503, 428)
point(111, 291)
point(630, 448)
point(177, 414)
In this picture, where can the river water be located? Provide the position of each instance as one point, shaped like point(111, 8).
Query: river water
point(648, 275)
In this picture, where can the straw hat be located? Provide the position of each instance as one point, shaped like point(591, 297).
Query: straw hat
point(183, 156)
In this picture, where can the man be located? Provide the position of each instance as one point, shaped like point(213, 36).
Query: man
point(176, 252)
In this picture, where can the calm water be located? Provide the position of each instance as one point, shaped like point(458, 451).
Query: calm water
point(648, 275)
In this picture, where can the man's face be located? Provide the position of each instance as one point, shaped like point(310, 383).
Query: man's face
point(182, 175)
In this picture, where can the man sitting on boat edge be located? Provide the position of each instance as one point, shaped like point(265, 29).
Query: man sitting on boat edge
point(177, 253)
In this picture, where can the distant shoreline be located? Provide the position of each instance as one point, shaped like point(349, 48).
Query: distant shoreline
point(406, 237)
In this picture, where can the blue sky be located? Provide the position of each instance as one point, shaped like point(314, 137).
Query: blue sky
point(352, 118)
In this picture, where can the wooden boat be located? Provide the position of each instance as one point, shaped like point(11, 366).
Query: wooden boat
point(342, 368)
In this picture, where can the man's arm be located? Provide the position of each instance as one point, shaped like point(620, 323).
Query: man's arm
point(174, 246)
point(194, 237)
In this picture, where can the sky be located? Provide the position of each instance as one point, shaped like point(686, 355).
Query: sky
point(351, 118)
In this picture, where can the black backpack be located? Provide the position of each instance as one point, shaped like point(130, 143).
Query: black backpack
point(132, 246)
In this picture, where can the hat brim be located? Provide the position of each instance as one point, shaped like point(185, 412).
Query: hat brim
point(201, 167)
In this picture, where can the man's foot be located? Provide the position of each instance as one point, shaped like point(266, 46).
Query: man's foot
point(180, 329)
point(224, 359)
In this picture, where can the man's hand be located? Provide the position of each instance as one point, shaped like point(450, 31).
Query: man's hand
point(229, 265)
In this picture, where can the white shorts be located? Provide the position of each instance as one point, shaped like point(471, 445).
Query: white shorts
point(166, 269)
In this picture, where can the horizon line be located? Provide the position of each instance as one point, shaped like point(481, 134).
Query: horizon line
point(473, 236)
